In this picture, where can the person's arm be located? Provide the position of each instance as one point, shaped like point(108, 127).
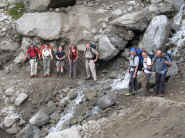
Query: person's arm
point(137, 66)
point(38, 53)
point(76, 56)
point(168, 63)
point(97, 55)
point(64, 56)
point(51, 54)
point(149, 63)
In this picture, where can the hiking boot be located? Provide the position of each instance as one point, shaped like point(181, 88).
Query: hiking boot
point(128, 94)
point(133, 92)
point(58, 74)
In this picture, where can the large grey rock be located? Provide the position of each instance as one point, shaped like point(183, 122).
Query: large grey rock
point(47, 26)
point(20, 58)
point(20, 99)
point(67, 133)
point(106, 48)
point(10, 91)
point(136, 20)
point(106, 101)
point(39, 119)
point(10, 120)
point(8, 45)
point(156, 34)
point(29, 132)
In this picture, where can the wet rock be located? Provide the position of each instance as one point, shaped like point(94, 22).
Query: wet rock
point(90, 95)
point(47, 25)
point(39, 119)
point(72, 95)
point(67, 133)
point(20, 99)
point(13, 130)
point(156, 34)
point(106, 101)
point(29, 132)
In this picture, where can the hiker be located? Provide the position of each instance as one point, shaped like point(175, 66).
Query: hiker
point(161, 67)
point(133, 69)
point(47, 57)
point(73, 58)
point(147, 64)
point(60, 57)
point(33, 56)
point(91, 57)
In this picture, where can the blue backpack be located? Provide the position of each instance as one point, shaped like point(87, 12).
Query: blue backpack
point(139, 54)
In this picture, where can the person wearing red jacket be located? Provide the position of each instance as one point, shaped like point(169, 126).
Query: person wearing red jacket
point(33, 55)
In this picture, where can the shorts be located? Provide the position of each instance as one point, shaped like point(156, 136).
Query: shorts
point(60, 63)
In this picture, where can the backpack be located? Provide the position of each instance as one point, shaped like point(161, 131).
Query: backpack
point(34, 48)
point(139, 54)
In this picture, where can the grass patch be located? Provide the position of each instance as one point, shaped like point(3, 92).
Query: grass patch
point(17, 11)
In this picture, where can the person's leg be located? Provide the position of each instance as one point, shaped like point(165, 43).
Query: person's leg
point(62, 67)
point(70, 69)
point(87, 69)
point(93, 69)
point(36, 66)
point(48, 66)
point(74, 69)
point(162, 84)
point(134, 85)
point(148, 76)
point(44, 66)
point(31, 67)
point(131, 82)
point(157, 82)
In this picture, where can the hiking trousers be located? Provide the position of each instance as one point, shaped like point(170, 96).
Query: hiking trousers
point(72, 69)
point(46, 65)
point(146, 82)
point(132, 83)
point(33, 66)
point(160, 82)
point(90, 68)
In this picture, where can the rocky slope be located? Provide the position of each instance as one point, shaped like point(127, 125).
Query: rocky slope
point(59, 107)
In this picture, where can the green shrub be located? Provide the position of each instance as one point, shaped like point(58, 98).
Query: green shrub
point(17, 11)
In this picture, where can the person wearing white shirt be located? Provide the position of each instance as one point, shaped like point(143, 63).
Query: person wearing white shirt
point(147, 64)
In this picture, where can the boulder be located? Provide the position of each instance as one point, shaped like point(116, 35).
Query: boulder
point(156, 34)
point(20, 58)
point(8, 45)
point(47, 25)
point(39, 119)
point(67, 133)
point(134, 21)
point(10, 120)
point(10, 91)
point(173, 70)
point(29, 132)
point(106, 48)
point(20, 99)
point(106, 101)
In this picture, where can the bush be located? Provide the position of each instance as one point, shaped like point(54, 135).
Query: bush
point(17, 11)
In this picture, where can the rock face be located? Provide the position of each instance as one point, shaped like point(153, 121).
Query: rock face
point(47, 26)
point(68, 133)
point(106, 48)
point(135, 21)
point(39, 119)
point(156, 34)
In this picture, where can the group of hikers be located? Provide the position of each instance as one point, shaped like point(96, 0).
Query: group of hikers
point(34, 54)
point(141, 60)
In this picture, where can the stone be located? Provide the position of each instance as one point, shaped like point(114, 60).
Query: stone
point(106, 48)
point(72, 95)
point(29, 132)
point(90, 95)
point(8, 45)
point(106, 101)
point(10, 120)
point(20, 58)
point(117, 12)
point(39, 119)
point(13, 130)
point(26, 42)
point(10, 91)
point(20, 99)
point(46, 25)
point(156, 34)
point(173, 70)
point(67, 133)
point(134, 21)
